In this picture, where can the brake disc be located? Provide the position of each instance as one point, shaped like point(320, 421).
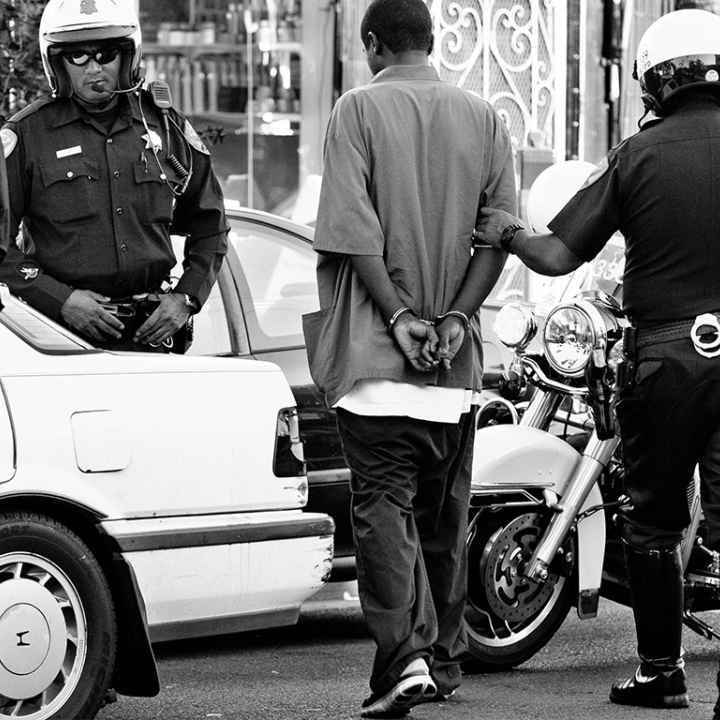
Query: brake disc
point(511, 596)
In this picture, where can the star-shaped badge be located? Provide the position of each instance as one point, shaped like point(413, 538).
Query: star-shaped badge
point(152, 141)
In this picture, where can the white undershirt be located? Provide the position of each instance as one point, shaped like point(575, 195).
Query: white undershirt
point(422, 402)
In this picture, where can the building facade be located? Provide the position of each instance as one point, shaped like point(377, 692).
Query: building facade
point(259, 77)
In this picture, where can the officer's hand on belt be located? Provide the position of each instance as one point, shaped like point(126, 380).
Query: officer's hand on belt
point(171, 314)
point(84, 311)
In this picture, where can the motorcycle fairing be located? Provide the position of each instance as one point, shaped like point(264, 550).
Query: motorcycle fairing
point(515, 456)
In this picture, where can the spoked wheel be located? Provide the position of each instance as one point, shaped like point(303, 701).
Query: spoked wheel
point(509, 617)
point(57, 623)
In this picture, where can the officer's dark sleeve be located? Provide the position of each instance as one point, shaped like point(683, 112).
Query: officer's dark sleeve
point(200, 215)
point(20, 271)
point(592, 215)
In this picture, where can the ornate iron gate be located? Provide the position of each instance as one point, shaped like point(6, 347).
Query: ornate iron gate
point(513, 55)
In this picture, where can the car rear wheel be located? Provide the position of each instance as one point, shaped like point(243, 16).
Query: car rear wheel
point(57, 622)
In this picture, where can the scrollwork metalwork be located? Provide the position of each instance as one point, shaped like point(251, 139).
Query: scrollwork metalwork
point(507, 52)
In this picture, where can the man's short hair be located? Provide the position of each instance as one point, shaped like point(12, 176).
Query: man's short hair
point(400, 25)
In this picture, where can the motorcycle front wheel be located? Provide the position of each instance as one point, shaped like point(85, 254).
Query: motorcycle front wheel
point(509, 617)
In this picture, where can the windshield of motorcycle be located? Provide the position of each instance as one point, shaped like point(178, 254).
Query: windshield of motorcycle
point(518, 283)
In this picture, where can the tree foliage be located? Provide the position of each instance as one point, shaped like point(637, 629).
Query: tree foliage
point(21, 73)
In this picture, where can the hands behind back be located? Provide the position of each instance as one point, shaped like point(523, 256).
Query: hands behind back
point(425, 345)
point(451, 335)
point(417, 340)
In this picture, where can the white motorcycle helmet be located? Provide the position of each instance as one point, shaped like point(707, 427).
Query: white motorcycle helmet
point(552, 189)
point(67, 22)
point(678, 51)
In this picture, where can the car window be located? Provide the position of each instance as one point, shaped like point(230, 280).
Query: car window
point(211, 335)
point(279, 270)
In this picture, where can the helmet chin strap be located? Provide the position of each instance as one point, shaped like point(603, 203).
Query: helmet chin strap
point(652, 107)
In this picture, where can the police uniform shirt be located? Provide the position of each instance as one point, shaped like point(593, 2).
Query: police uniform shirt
point(96, 206)
point(661, 189)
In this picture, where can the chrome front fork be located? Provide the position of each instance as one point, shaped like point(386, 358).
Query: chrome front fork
point(594, 460)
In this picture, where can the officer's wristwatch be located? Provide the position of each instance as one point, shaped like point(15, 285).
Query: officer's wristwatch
point(508, 235)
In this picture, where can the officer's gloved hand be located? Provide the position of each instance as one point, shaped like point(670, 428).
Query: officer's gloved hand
point(171, 314)
point(83, 311)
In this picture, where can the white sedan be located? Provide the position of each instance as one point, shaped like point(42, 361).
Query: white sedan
point(143, 497)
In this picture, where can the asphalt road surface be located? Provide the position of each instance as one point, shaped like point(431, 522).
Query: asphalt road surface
point(319, 668)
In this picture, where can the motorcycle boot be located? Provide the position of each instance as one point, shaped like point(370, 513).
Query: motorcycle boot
point(656, 584)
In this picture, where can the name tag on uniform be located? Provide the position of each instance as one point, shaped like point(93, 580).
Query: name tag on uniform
point(67, 152)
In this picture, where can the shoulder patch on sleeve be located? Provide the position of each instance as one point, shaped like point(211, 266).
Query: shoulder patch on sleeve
point(9, 141)
point(604, 165)
point(194, 139)
point(596, 174)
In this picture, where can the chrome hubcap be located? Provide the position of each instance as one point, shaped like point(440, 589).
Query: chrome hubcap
point(43, 637)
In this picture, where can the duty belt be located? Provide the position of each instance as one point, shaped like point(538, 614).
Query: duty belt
point(135, 310)
point(703, 331)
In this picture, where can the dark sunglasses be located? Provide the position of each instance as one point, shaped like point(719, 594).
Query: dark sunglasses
point(82, 56)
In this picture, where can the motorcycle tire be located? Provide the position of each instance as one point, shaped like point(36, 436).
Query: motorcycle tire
point(508, 617)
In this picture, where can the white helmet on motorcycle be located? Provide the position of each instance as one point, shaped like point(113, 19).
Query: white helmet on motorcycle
point(552, 189)
point(69, 22)
point(678, 51)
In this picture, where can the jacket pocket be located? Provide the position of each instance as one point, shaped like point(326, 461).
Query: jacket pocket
point(154, 199)
point(71, 189)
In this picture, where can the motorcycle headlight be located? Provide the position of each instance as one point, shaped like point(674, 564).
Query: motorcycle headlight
point(515, 325)
point(572, 331)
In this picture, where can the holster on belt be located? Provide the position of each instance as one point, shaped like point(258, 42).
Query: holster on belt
point(625, 376)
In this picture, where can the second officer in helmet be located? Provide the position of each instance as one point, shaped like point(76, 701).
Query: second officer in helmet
point(661, 189)
point(100, 174)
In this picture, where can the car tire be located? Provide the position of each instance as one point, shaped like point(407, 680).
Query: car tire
point(58, 632)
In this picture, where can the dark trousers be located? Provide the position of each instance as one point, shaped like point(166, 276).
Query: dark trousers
point(410, 494)
point(670, 421)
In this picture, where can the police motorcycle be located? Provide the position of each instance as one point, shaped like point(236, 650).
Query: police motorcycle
point(547, 473)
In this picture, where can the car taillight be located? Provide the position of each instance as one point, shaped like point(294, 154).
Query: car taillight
point(289, 460)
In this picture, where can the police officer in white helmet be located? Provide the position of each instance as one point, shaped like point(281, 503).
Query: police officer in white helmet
point(99, 173)
point(661, 189)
